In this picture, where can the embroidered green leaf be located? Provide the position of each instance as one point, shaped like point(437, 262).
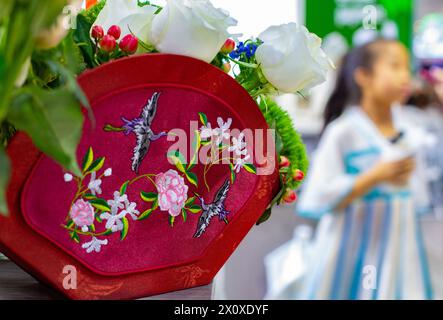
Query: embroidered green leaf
point(92, 228)
point(75, 237)
point(192, 178)
point(87, 160)
point(203, 118)
point(195, 209)
point(101, 205)
point(231, 166)
point(96, 165)
point(89, 196)
point(123, 188)
point(205, 143)
point(171, 220)
point(107, 232)
point(190, 202)
point(178, 160)
point(124, 232)
point(148, 212)
point(97, 217)
point(250, 168)
point(148, 196)
point(184, 215)
point(70, 224)
point(195, 147)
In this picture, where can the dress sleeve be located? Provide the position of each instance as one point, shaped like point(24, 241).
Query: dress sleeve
point(327, 182)
point(420, 185)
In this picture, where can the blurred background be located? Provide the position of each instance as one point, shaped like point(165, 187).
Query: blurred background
point(342, 25)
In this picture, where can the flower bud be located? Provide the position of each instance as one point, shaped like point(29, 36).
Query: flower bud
point(129, 44)
point(290, 196)
point(97, 33)
point(226, 67)
point(108, 43)
point(298, 175)
point(228, 47)
point(284, 162)
point(115, 31)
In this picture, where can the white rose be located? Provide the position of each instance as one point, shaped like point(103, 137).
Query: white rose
point(129, 16)
point(192, 28)
point(291, 58)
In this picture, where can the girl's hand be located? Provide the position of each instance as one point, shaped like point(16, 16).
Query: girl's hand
point(394, 172)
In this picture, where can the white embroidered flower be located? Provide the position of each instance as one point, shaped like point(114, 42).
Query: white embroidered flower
point(206, 132)
point(68, 177)
point(94, 184)
point(108, 172)
point(118, 202)
point(85, 228)
point(239, 145)
point(130, 209)
point(114, 221)
point(239, 163)
point(94, 245)
point(222, 131)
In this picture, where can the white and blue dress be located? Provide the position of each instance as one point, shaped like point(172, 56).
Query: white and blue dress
point(374, 248)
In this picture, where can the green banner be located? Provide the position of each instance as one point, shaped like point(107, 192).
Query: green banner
point(350, 16)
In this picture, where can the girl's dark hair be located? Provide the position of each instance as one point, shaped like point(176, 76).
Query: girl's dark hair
point(347, 91)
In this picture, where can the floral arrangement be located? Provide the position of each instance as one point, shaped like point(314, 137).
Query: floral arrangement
point(283, 59)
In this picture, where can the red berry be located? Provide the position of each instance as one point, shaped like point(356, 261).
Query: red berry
point(115, 31)
point(129, 44)
point(108, 43)
point(284, 162)
point(298, 175)
point(290, 196)
point(97, 32)
point(228, 47)
point(226, 67)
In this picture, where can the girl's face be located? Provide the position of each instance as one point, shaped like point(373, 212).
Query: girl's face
point(390, 79)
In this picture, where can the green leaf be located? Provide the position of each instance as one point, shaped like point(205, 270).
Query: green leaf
point(190, 202)
point(123, 188)
point(89, 196)
point(125, 230)
point(148, 212)
point(4, 180)
point(250, 168)
point(184, 215)
point(265, 216)
point(178, 160)
point(101, 205)
point(53, 119)
point(96, 165)
point(107, 232)
point(83, 39)
point(97, 217)
point(92, 228)
point(195, 209)
point(232, 175)
point(70, 224)
point(171, 220)
point(148, 196)
point(192, 178)
point(75, 237)
point(195, 147)
point(87, 160)
point(203, 118)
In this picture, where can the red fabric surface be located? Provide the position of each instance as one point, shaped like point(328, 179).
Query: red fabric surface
point(154, 258)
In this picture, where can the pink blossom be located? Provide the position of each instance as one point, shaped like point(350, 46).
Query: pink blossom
point(172, 192)
point(82, 213)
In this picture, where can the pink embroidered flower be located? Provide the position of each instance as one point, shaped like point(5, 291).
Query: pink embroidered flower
point(172, 192)
point(82, 213)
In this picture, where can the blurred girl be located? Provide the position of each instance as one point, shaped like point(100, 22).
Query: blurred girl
point(366, 187)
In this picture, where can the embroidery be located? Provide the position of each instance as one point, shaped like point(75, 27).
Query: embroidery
point(141, 127)
point(94, 218)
